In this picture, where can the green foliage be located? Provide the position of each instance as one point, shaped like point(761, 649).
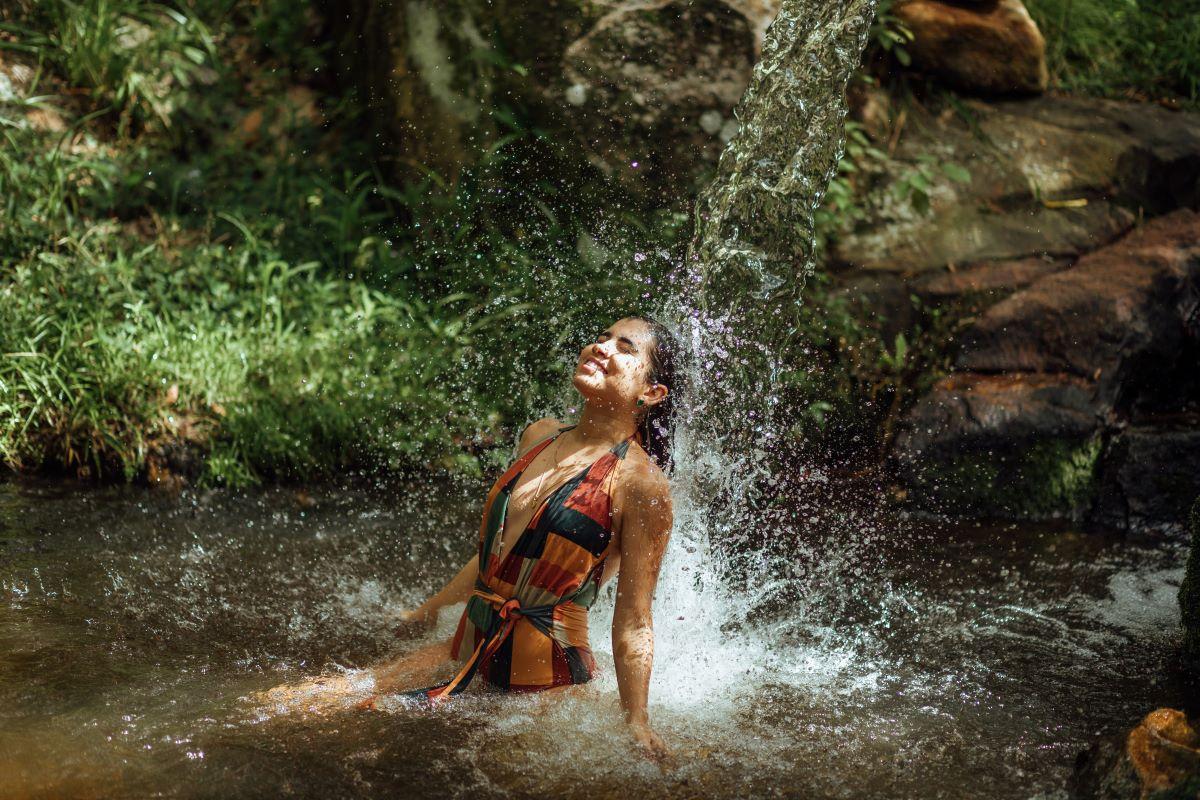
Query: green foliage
point(1148, 48)
point(868, 177)
point(1051, 478)
point(134, 57)
point(230, 275)
point(889, 35)
point(914, 182)
point(851, 381)
point(280, 372)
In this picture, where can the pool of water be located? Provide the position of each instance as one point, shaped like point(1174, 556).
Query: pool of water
point(877, 658)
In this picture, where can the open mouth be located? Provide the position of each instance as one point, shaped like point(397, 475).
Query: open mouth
point(597, 365)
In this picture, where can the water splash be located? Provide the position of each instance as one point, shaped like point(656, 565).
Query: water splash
point(752, 248)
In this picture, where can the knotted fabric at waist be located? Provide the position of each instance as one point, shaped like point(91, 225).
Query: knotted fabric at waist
point(508, 611)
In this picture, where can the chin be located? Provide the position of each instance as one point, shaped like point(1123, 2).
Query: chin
point(587, 384)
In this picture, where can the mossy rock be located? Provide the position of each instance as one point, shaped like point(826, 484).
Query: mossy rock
point(1053, 478)
point(1189, 598)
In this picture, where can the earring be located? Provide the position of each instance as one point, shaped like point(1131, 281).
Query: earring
point(641, 402)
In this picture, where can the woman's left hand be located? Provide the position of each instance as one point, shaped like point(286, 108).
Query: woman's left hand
point(651, 744)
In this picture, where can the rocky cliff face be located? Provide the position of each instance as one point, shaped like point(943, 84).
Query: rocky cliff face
point(1058, 403)
point(1075, 391)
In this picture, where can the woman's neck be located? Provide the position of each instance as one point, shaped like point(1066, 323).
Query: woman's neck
point(603, 425)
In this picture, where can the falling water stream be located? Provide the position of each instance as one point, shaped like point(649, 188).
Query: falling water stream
point(802, 648)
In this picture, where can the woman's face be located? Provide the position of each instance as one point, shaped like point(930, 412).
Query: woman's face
point(614, 369)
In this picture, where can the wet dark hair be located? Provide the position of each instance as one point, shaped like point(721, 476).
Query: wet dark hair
point(657, 425)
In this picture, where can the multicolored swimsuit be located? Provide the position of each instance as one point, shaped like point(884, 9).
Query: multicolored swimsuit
point(525, 625)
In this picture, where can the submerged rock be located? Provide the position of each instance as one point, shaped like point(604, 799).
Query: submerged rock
point(992, 46)
point(1157, 760)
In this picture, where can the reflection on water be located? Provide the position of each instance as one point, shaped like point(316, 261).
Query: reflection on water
point(867, 657)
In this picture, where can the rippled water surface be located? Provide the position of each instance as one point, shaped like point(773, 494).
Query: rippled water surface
point(889, 659)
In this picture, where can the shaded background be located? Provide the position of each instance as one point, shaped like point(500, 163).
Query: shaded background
point(261, 241)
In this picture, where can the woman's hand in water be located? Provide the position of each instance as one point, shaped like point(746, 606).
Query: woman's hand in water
point(415, 623)
point(651, 744)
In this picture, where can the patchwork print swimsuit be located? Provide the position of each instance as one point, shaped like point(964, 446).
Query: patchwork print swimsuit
point(525, 625)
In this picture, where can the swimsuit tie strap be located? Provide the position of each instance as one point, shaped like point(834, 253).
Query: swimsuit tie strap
point(508, 611)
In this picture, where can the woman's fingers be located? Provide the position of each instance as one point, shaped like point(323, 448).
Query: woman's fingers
point(653, 747)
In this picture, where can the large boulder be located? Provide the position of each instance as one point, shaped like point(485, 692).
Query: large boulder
point(1036, 421)
point(1157, 760)
point(1120, 316)
point(1049, 177)
point(990, 46)
point(650, 87)
point(644, 89)
point(1003, 445)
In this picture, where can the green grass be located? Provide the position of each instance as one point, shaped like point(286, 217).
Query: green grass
point(1139, 48)
point(259, 293)
point(111, 348)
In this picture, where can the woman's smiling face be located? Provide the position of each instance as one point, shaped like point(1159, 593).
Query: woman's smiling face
point(614, 369)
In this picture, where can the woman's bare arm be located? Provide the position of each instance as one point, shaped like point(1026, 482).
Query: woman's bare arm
point(455, 591)
point(646, 516)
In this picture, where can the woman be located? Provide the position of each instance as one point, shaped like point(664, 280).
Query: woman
point(581, 503)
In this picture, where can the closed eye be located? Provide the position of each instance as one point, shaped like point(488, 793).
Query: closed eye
point(625, 344)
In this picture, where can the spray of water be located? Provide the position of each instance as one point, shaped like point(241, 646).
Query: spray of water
point(753, 247)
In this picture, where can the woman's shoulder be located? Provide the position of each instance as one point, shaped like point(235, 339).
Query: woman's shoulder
point(641, 478)
point(643, 493)
point(537, 431)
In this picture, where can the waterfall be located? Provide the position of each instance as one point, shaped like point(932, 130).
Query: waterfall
point(752, 249)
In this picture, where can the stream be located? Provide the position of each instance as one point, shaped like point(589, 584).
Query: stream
point(906, 658)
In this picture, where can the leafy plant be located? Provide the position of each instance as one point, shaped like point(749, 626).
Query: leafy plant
point(133, 56)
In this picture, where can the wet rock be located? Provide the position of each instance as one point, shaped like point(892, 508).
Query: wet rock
point(1047, 375)
point(1119, 315)
point(1157, 760)
point(1189, 598)
point(1150, 478)
point(659, 81)
point(1007, 445)
point(1049, 177)
point(983, 46)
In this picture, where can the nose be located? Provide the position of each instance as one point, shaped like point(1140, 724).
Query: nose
point(603, 349)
